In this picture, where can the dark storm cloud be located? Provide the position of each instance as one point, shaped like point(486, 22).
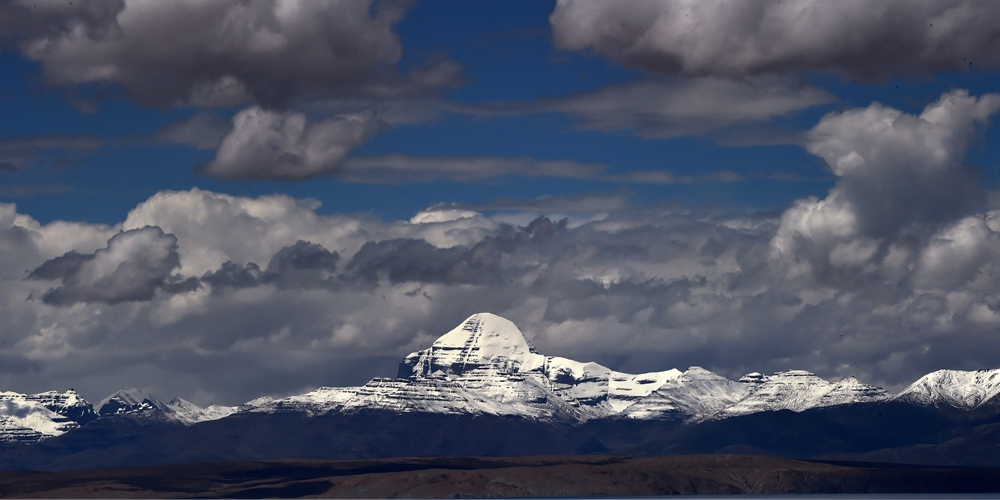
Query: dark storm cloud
point(857, 39)
point(19, 365)
point(233, 275)
point(56, 18)
point(300, 266)
point(410, 260)
point(131, 268)
point(267, 52)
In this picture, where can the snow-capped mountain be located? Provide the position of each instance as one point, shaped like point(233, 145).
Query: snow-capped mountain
point(965, 390)
point(28, 419)
point(189, 413)
point(129, 400)
point(487, 366)
point(135, 402)
point(799, 390)
point(696, 395)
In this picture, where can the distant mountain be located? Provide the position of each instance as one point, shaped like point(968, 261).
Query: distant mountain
point(487, 366)
point(484, 378)
point(28, 419)
point(958, 389)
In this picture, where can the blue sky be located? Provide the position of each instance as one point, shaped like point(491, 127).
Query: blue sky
point(506, 56)
point(748, 187)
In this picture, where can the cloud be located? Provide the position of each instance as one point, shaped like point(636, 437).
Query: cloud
point(734, 40)
point(402, 169)
point(584, 203)
point(133, 265)
point(901, 177)
point(405, 169)
point(282, 146)
point(19, 153)
point(24, 18)
point(268, 296)
point(202, 130)
point(303, 265)
point(268, 52)
point(683, 107)
point(648, 107)
point(412, 260)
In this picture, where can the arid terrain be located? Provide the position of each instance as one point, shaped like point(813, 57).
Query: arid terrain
point(551, 476)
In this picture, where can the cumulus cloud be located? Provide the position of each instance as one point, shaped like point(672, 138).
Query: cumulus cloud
point(282, 146)
point(303, 265)
point(871, 41)
point(266, 52)
point(133, 265)
point(901, 178)
point(265, 296)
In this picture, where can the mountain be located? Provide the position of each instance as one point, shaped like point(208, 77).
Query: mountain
point(964, 390)
point(130, 400)
point(135, 403)
point(799, 390)
point(486, 366)
point(28, 419)
point(189, 413)
point(483, 389)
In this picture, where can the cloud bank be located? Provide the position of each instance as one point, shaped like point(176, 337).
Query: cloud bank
point(221, 298)
point(853, 38)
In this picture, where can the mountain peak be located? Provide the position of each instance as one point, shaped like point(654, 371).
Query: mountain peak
point(128, 400)
point(489, 335)
point(482, 339)
point(957, 388)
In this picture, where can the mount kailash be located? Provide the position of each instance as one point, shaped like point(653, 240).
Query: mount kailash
point(486, 367)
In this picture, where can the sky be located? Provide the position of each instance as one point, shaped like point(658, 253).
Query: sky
point(224, 200)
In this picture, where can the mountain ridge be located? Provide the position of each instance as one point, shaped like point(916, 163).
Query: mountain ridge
point(486, 366)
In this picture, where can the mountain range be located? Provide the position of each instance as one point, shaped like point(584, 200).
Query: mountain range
point(485, 375)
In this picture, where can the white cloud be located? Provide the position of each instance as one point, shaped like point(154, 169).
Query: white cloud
point(900, 177)
point(277, 146)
